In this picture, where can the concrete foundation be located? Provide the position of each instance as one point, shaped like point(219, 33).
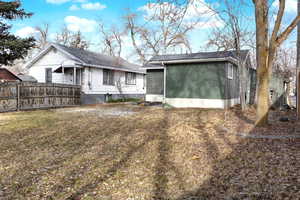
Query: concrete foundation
point(101, 98)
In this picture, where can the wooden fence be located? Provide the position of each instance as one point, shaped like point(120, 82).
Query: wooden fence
point(25, 96)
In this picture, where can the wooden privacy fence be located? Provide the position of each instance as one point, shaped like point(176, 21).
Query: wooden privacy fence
point(25, 96)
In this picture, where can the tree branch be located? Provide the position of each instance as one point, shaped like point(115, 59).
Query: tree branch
point(288, 30)
point(277, 22)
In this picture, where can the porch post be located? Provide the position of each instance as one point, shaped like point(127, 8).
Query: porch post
point(80, 74)
point(74, 76)
point(63, 74)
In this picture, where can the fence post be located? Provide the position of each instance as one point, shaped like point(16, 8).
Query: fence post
point(18, 97)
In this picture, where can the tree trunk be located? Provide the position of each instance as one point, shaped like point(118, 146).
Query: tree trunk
point(287, 93)
point(242, 85)
point(262, 98)
point(263, 64)
point(298, 66)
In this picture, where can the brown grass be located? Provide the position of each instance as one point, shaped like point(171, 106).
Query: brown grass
point(155, 154)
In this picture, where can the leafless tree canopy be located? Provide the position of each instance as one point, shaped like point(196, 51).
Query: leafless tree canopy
point(42, 36)
point(68, 38)
point(163, 30)
point(112, 40)
point(285, 61)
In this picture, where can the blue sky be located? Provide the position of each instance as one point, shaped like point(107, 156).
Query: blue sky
point(84, 15)
point(54, 12)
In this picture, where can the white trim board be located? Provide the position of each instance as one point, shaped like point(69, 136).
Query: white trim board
point(197, 60)
point(201, 103)
point(154, 97)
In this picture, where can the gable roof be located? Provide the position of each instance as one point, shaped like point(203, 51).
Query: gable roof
point(91, 59)
point(12, 75)
point(156, 61)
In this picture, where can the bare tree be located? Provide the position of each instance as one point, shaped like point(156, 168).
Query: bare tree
point(133, 30)
point(112, 40)
point(284, 65)
point(78, 41)
point(234, 35)
point(165, 29)
point(42, 36)
point(71, 39)
point(298, 66)
point(63, 36)
point(266, 50)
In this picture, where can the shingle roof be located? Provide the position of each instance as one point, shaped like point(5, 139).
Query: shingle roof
point(9, 72)
point(27, 78)
point(200, 55)
point(92, 58)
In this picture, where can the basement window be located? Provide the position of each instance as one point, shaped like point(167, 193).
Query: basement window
point(230, 71)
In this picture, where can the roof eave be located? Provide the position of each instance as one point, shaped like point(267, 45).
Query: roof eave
point(45, 51)
point(38, 56)
point(110, 67)
point(230, 59)
point(153, 67)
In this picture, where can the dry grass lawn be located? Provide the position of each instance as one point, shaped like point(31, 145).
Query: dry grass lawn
point(154, 153)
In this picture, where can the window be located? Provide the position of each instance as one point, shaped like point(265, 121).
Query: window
point(230, 71)
point(108, 77)
point(130, 78)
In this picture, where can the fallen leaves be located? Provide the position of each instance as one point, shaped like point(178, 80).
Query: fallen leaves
point(153, 154)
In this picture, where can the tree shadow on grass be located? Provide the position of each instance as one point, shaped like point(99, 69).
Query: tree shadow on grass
point(255, 169)
point(164, 166)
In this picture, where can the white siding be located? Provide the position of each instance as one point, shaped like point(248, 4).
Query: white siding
point(53, 59)
point(94, 76)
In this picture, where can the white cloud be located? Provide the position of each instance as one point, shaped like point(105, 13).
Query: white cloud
point(93, 6)
point(27, 31)
point(57, 1)
point(290, 5)
point(75, 24)
point(74, 7)
point(65, 1)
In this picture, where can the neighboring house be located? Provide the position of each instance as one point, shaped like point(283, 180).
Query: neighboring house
point(8, 76)
point(100, 76)
point(205, 80)
point(27, 78)
point(278, 85)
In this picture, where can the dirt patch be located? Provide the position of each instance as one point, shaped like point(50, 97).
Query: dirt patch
point(111, 111)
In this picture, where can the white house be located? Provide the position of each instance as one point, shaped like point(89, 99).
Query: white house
point(100, 76)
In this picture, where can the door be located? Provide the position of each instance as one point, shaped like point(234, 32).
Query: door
point(48, 75)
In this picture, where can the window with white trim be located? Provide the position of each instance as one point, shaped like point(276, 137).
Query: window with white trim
point(230, 71)
point(130, 78)
point(108, 77)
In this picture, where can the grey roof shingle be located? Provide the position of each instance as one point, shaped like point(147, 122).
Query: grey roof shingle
point(200, 55)
point(92, 58)
point(26, 78)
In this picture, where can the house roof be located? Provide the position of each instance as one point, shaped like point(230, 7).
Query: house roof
point(156, 61)
point(10, 73)
point(92, 59)
point(27, 78)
